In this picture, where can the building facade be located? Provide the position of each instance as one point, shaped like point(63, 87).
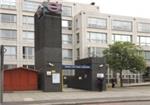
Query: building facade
point(86, 32)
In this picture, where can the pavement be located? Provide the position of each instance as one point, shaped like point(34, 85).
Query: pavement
point(71, 96)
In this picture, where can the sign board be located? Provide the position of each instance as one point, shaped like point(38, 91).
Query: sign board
point(54, 7)
point(48, 8)
point(76, 67)
point(100, 75)
point(56, 78)
point(48, 73)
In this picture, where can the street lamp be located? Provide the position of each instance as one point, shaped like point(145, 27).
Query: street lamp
point(101, 65)
point(50, 64)
point(1, 72)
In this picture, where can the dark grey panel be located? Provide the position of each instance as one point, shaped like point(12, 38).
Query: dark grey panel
point(89, 76)
point(48, 33)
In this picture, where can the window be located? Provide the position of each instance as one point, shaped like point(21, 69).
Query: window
point(121, 37)
point(29, 66)
point(67, 39)
point(67, 54)
point(9, 66)
point(78, 53)
point(67, 24)
point(9, 34)
point(143, 40)
point(28, 52)
point(28, 20)
point(11, 52)
point(122, 25)
point(77, 26)
point(66, 11)
point(94, 37)
point(28, 35)
point(68, 72)
point(30, 6)
point(78, 37)
point(144, 27)
point(95, 52)
point(147, 55)
point(97, 23)
point(11, 4)
point(8, 18)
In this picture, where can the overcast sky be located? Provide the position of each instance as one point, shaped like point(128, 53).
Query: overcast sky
point(135, 8)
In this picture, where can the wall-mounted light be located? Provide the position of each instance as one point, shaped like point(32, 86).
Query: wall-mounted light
point(101, 65)
point(50, 64)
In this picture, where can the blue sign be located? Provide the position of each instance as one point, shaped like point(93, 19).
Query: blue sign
point(76, 67)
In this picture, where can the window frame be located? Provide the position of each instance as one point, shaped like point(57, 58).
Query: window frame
point(94, 38)
point(121, 27)
point(64, 13)
point(114, 39)
point(95, 25)
point(142, 23)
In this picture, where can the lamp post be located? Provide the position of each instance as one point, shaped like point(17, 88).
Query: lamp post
point(1, 72)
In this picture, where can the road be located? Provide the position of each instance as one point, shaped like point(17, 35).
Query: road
point(122, 103)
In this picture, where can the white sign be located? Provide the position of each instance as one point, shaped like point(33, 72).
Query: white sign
point(56, 78)
point(48, 73)
point(100, 75)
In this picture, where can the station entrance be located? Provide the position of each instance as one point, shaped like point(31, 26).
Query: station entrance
point(89, 74)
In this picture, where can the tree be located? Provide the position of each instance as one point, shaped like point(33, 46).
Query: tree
point(125, 56)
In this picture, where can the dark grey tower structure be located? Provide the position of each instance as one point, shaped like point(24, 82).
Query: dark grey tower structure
point(48, 46)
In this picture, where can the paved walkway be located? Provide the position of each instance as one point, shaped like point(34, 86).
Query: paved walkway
point(76, 96)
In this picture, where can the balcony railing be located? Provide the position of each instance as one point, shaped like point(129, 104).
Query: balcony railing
point(8, 25)
point(8, 6)
point(29, 57)
point(28, 26)
point(10, 57)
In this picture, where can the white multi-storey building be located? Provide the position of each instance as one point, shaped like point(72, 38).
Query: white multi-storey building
point(85, 32)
